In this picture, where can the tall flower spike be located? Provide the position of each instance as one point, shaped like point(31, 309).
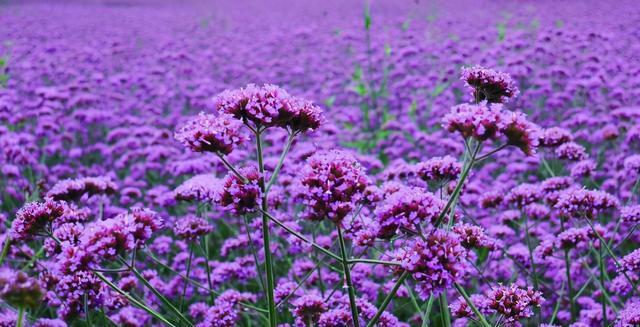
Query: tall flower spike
point(490, 85)
point(210, 133)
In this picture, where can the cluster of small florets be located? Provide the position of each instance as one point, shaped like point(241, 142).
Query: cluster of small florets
point(571, 151)
point(407, 208)
point(191, 227)
point(436, 262)
point(630, 262)
point(487, 84)
point(19, 290)
point(629, 316)
point(331, 184)
point(632, 164)
point(224, 313)
point(438, 169)
point(240, 194)
point(33, 217)
point(582, 169)
point(573, 237)
point(576, 202)
point(202, 188)
point(520, 132)
point(483, 122)
point(513, 302)
point(269, 105)
point(308, 308)
point(630, 214)
point(474, 237)
point(211, 133)
point(554, 136)
point(74, 189)
point(523, 195)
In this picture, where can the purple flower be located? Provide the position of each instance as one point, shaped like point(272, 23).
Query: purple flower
point(513, 302)
point(33, 217)
point(438, 168)
point(74, 189)
point(474, 237)
point(630, 262)
point(308, 308)
point(487, 84)
point(630, 315)
point(331, 184)
point(479, 121)
point(203, 188)
point(240, 196)
point(435, 262)
point(630, 214)
point(523, 194)
point(520, 132)
point(19, 290)
point(407, 208)
point(574, 202)
point(261, 105)
point(571, 151)
point(191, 227)
point(583, 169)
point(632, 164)
point(554, 136)
point(210, 133)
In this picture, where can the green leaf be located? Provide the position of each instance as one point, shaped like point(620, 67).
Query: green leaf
point(439, 89)
point(387, 50)
point(412, 109)
point(330, 101)
point(502, 30)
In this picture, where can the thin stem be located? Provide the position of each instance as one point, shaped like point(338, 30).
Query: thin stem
point(133, 300)
point(5, 248)
point(157, 293)
point(445, 317)
point(602, 279)
point(86, 309)
point(533, 265)
point(388, 298)
point(458, 188)
point(271, 303)
point(232, 169)
point(347, 277)
point(184, 289)
point(375, 262)
point(492, 152)
point(472, 306)
point(276, 171)
point(427, 313)
point(254, 253)
point(300, 236)
point(20, 317)
point(206, 263)
point(567, 263)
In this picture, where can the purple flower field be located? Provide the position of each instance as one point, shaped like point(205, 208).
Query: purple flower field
point(319, 163)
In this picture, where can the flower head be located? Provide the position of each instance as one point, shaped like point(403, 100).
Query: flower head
point(438, 168)
point(479, 121)
point(574, 202)
point(554, 136)
point(238, 195)
point(436, 262)
point(331, 184)
point(630, 214)
point(210, 133)
point(520, 132)
point(33, 217)
point(487, 84)
point(571, 151)
point(407, 208)
point(19, 290)
point(74, 189)
point(512, 302)
point(191, 227)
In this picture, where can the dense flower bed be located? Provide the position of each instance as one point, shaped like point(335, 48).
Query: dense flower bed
point(289, 163)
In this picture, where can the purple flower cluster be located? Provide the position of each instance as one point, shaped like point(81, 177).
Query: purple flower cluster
point(576, 202)
point(438, 169)
point(436, 262)
point(407, 208)
point(219, 134)
point(332, 183)
point(489, 85)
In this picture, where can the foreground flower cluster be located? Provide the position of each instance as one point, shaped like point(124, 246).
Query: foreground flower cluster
point(159, 182)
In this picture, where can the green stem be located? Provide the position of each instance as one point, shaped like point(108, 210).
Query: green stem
point(445, 316)
point(454, 196)
point(133, 300)
point(300, 236)
point(20, 317)
point(254, 253)
point(567, 263)
point(475, 310)
point(388, 298)
point(5, 248)
point(427, 313)
point(602, 278)
point(206, 263)
point(276, 171)
point(347, 276)
point(184, 289)
point(271, 303)
point(157, 293)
